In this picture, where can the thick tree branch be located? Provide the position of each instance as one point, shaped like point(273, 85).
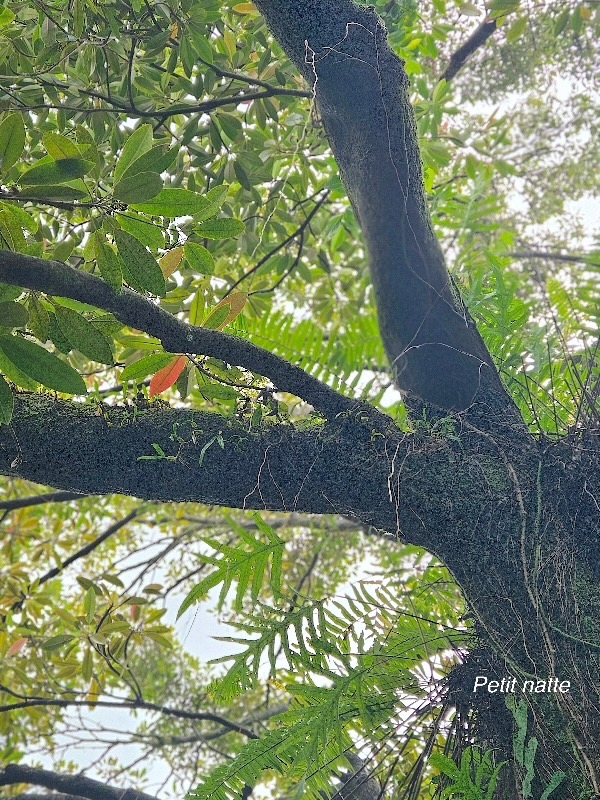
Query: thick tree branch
point(395, 482)
point(72, 447)
point(362, 93)
point(476, 40)
point(68, 784)
point(132, 309)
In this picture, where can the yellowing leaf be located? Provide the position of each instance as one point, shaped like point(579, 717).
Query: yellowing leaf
point(167, 376)
point(93, 692)
point(245, 8)
point(170, 261)
point(232, 305)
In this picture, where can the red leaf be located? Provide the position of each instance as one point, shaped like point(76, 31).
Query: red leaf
point(16, 647)
point(167, 376)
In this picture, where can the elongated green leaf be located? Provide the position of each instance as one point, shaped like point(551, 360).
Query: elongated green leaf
point(41, 365)
point(11, 233)
point(140, 268)
point(15, 375)
point(54, 192)
point(39, 319)
point(57, 337)
point(83, 336)
point(137, 188)
point(6, 402)
point(155, 160)
point(13, 315)
point(176, 203)
point(54, 642)
point(199, 258)
point(108, 261)
point(59, 147)
point(12, 140)
point(55, 172)
point(145, 366)
point(138, 143)
point(220, 228)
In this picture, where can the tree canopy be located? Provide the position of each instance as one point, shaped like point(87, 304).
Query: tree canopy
point(299, 323)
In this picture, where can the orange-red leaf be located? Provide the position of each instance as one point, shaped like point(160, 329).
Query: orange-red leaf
point(167, 376)
point(16, 647)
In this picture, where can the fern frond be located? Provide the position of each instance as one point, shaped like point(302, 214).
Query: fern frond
point(245, 564)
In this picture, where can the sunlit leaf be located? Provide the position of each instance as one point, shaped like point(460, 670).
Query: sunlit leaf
point(138, 370)
point(178, 203)
point(138, 143)
point(12, 140)
point(220, 228)
point(6, 402)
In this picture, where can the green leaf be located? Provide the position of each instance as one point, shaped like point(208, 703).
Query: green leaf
point(137, 188)
point(217, 391)
point(177, 203)
point(41, 365)
point(220, 228)
point(155, 160)
point(197, 308)
point(142, 228)
point(54, 642)
point(13, 315)
point(15, 375)
point(108, 261)
point(7, 402)
point(12, 140)
point(11, 233)
point(55, 172)
point(147, 365)
point(516, 29)
point(561, 21)
point(39, 320)
point(83, 336)
point(199, 258)
point(136, 145)
point(59, 147)
point(6, 16)
point(57, 337)
point(140, 268)
point(54, 192)
point(21, 216)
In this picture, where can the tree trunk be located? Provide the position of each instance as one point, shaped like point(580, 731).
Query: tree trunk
point(515, 519)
